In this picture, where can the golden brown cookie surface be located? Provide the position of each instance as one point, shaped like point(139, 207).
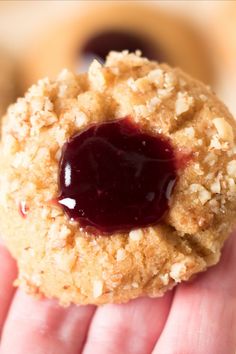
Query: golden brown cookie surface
point(58, 258)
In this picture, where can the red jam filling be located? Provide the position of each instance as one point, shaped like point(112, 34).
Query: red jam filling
point(115, 177)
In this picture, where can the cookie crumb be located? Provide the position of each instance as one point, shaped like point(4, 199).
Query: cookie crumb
point(132, 84)
point(203, 194)
point(177, 270)
point(120, 255)
point(96, 76)
point(153, 103)
point(135, 285)
point(97, 288)
point(189, 131)
point(224, 130)
point(231, 168)
point(156, 77)
point(136, 235)
point(164, 278)
point(203, 97)
point(183, 103)
point(80, 119)
point(216, 187)
point(141, 110)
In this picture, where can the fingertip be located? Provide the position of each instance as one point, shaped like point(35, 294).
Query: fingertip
point(42, 323)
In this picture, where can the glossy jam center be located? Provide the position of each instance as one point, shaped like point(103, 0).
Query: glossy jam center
point(115, 177)
point(102, 43)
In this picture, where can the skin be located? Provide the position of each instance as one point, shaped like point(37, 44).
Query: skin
point(198, 317)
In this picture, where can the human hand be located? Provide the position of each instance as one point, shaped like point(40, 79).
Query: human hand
point(198, 317)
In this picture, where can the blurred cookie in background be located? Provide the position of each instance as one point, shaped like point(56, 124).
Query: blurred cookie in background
point(222, 34)
point(98, 28)
point(8, 80)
